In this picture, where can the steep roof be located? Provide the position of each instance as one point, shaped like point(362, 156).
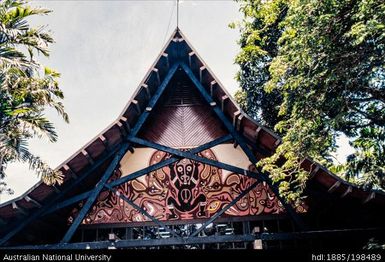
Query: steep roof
point(98, 151)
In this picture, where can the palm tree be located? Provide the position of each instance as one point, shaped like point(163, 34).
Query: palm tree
point(26, 89)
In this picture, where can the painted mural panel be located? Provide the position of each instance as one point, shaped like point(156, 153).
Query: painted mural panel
point(183, 190)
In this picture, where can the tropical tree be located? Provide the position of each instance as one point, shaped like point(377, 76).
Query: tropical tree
point(314, 70)
point(27, 88)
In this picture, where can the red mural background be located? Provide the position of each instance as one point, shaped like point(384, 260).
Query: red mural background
point(183, 190)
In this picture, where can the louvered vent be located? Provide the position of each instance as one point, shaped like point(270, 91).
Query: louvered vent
point(183, 94)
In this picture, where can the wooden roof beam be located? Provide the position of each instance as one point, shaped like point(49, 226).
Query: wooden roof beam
point(69, 170)
point(104, 142)
point(235, 117)
point(124, 134)
point(122, 130)
point(57, 190)
point(239, 121)
point(201, 72)
point(277, 143)
point(235, 123)
point(190, 56)
point(19, 209)
point(223, 100)
point(88, 157)
point(137, 106)
point(165, 57)
point(156, 72)
point(371, 196)
point(314, 172)
point(348, 191)
point(257, 131)
point(33, 201)
point(125, 123)
point(334, 186)
point(212, 85)
point(147, 90)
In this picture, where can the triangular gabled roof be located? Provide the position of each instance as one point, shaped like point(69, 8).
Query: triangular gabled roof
point(96, 154)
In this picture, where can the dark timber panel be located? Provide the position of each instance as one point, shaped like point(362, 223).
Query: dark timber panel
point(182, 119)
point(183, 126)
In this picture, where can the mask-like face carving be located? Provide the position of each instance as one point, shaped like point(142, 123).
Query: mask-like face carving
point(185, 177)
point(184, 171)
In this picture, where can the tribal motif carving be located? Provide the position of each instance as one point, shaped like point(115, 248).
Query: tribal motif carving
point(183, 190)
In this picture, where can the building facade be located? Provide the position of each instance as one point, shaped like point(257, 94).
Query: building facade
point(177, 170)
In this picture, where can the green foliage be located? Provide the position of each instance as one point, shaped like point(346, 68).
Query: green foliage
point(314, 70)
point(260, 33)
point(27, 88)
point(369, 159)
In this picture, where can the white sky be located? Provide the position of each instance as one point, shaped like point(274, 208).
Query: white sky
point(103, 50)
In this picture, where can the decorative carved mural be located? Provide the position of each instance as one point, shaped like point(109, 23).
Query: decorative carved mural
point(183, 190)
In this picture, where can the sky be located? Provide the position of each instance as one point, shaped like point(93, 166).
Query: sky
point(103, 49)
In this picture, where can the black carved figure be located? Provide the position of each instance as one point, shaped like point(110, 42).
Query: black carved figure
point(184, 176)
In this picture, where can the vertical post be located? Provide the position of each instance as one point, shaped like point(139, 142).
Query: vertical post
point(246, 227)
point(177, 14)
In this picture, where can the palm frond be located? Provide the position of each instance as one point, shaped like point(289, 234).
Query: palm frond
point(47, 175)
point(26, 89)
point(39, 125)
